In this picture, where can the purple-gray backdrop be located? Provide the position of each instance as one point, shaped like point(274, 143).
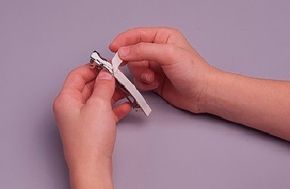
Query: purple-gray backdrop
point(40, 41)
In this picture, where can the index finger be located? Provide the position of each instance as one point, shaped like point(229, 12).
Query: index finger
point(79, 77)
point(137, 35)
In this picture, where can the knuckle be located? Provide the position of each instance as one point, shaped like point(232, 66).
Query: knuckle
point(131, 29)
point(97, 101)
point(171, 49)
point(77, 72)
point(139, 48)
point(59, 102)
point(73, 77)
point(140, 45)
point(73, 74)
point(173, 30)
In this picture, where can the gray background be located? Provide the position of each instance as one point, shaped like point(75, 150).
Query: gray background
point(40, 41)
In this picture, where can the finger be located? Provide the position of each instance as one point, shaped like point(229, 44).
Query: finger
point(164, 54)
point(77, 79)
point(137, 35)
point(87, 91)
point(136, 68)
point(122, 111)
point(118, 95)
point(147, 76)
point(144, 78)
point(104, 87)
point(146, 86)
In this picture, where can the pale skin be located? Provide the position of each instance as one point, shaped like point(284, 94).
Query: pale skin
point(160, 60)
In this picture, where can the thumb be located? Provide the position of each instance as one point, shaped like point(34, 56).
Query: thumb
point(164, 54)
point(104, 86)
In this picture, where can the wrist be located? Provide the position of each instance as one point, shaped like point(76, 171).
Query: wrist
point(216, 94)
point(210, 83)
point(100, 163)
point(97, 174)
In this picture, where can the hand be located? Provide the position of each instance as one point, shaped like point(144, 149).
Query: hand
point(87, 125)
point(161, 59)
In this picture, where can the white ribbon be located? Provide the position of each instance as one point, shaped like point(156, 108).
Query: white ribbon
point(122, 79)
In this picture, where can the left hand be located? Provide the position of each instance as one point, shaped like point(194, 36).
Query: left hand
point(87, 124)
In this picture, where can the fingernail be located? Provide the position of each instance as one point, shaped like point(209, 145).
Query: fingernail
point(123, 52)
point(146, 77)
point(104, 75)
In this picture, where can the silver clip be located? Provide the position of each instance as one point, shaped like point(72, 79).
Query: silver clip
point(97, 61)
point(133, 95)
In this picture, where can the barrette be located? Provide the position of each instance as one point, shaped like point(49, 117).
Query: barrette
point(132, 94)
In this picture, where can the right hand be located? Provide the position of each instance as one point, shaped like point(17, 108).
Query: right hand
point(162, 60)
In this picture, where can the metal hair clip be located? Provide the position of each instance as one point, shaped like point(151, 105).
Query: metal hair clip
point(97, 61)
point(133, 95)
